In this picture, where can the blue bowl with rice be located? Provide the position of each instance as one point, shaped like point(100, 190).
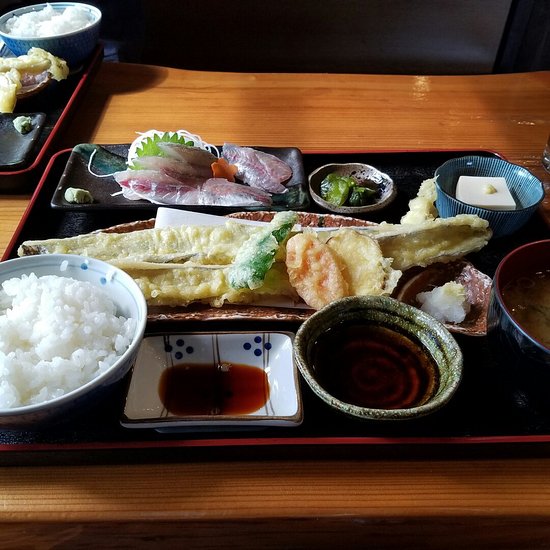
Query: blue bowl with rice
point(70, 331)
point(68, 30)
point(526, 190)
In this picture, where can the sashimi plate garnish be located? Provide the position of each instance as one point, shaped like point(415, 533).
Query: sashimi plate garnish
point(179, 169)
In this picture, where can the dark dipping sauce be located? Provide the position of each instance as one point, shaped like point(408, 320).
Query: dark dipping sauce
point(374, 367)
point(196, 389)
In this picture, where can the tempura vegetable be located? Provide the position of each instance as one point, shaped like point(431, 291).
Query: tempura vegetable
point(422, 207)
point(10, 82)
point(238, 263)
point(314, 270)
point(258, 254)
point(14, 69)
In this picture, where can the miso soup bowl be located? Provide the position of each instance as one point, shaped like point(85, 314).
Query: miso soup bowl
point(368, 313)
point(514, 342)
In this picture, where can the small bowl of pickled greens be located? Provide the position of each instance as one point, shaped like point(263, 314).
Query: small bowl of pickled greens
point(351, 188)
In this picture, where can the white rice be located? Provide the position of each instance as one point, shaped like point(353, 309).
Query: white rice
point(48, 22)
point(56, 334)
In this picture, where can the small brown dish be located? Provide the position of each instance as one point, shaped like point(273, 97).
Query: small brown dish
point(365, 176)
point(476, 283)
point(306, 219)
point(34, 86)
point(375, 358)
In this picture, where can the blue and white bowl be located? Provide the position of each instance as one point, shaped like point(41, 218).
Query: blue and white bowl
point(74, 47)
point(129, 301)
point(526, 189)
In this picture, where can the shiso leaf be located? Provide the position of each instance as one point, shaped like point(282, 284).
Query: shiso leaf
point(149, 146)
point(257, 255)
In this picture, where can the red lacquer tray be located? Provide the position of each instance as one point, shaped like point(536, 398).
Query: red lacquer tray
point(495, 408)
point(58, 102)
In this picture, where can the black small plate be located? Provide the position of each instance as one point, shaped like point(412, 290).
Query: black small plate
point(15, 147)
point(106, 192)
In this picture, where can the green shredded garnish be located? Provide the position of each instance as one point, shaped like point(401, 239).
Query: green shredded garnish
point(257, 255)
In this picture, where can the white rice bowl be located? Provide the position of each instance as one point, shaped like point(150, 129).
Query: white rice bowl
point(48, 22)
point(70, 330)
point(56, 334)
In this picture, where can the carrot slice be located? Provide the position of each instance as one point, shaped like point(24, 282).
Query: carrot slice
point(222, 169)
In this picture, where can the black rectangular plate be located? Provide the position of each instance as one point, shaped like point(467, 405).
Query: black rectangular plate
point(106, 191)
point(15, 147)
point(496, 409)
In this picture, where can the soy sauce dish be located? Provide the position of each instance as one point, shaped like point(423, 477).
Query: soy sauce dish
point(376, 358)
point(212, 381)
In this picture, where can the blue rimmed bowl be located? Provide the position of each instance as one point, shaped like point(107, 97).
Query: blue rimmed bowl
point(526, 189)
point(74, 47)
point(129, 302)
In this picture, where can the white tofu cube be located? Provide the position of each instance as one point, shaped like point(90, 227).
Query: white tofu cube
point(485, 192)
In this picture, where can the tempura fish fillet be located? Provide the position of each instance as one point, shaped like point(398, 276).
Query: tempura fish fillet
point(422, 244)
point(180, 287)
point(439, 240)
point(211, 249)
point(211, 244)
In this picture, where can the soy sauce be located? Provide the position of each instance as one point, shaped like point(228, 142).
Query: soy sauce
point(374, 366)
point(190, 389)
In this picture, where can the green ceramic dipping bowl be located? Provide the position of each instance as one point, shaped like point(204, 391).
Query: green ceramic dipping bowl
point(416, 334)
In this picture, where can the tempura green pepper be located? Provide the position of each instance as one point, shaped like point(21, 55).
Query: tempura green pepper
point(258, 254)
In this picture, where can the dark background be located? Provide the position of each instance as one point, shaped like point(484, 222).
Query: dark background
point(355, 36)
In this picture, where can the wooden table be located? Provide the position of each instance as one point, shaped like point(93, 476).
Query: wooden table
point(388, 502)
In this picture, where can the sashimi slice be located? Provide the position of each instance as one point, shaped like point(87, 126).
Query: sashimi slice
point(193, 155)
point(176, 168)
point(159, 188)
point(156, 187)
point(221, 192)
point(258, 169)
